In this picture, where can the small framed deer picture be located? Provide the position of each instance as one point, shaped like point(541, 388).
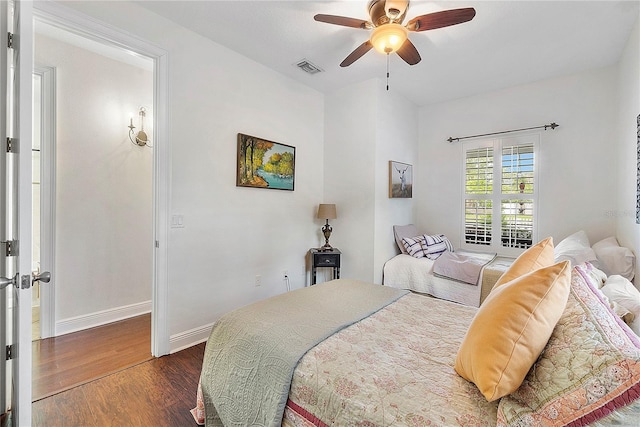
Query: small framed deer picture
point(400, 180)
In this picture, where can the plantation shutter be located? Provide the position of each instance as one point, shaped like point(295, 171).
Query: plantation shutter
point(500, 193)
point(517, 186)
point(478, 205)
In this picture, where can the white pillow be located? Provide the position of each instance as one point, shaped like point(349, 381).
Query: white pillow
point(597, 276)
point(622, 292)
point(615, 259)
point(575, 249)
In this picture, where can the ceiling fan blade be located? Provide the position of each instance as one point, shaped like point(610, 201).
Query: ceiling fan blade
point(356, 54)
point(409, 53)
point(431, 21)
point(342, 20)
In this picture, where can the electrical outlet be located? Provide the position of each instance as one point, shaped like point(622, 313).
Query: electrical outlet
point(258, 280)
point(285, 274)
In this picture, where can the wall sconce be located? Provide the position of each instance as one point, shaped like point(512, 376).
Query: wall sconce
point(141, 137)
point(327, 212)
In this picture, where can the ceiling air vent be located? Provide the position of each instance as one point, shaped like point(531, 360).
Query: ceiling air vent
point(308, 67)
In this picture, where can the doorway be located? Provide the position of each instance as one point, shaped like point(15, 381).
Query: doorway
point(97, 217)
point(60, 16)
point(102, 181)
point(54, 12)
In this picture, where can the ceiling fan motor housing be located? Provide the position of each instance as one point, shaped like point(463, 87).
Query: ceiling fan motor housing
point(378, 11)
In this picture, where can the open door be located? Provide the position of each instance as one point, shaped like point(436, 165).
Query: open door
point(6, 327)
point(16, 69)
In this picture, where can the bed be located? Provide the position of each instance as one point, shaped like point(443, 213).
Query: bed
point(348, 353)
point(417, 274)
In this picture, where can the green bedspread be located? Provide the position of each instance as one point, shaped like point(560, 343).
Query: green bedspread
point(252, 352)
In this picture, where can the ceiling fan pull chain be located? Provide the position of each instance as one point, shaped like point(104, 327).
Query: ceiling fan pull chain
point(387, 70)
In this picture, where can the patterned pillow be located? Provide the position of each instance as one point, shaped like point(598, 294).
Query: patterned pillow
point(589, 368)
point(434, 246)
point(413, 245)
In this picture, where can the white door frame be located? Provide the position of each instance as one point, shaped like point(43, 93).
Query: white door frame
point(78, 23)
point(47, 197)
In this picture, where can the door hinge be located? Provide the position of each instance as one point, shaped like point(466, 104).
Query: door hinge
point(10, 145)
point(9, 352)
point(10, 40)
point(10, 248)
point(157, 244)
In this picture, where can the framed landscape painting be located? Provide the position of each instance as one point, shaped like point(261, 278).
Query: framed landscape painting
point(265, 164)
point(400, 180)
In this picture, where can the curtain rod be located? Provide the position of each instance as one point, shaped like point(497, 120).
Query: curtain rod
point(552, 125)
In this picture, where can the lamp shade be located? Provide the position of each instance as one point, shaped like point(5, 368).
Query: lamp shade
point(327, 211)
point(388, 38)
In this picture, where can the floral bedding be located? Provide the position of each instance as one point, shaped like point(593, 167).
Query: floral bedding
point(589, 368)
point(393, 368)
point(252, 352)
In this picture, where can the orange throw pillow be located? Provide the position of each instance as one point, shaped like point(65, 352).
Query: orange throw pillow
point(537, 256)
point(511, 328)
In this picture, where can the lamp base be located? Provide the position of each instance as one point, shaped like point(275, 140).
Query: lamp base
point(326, 230)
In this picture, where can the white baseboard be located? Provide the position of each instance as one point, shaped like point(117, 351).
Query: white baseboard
point(189, 338)
point(99, 318)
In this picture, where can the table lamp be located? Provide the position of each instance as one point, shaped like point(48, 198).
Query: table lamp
point(327, 212)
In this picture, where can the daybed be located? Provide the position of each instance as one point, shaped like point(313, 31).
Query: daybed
point(417, 274)
point(348, 353)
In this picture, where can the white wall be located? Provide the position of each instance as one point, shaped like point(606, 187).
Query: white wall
point(577, 161)
point(628, 232)
point(349, 174)
point(366, 126)
point(103, 185)
point(397, 140)
point(231, 234)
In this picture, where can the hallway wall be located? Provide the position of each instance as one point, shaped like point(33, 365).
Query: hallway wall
point(103, 266)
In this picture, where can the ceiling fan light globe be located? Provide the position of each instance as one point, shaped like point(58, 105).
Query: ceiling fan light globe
point(388, 38)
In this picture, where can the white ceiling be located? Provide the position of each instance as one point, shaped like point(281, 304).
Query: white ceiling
point(506, 44)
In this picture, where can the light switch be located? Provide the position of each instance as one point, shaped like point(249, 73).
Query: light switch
point(177, 221)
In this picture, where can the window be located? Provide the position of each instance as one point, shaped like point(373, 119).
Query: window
point(500, 216)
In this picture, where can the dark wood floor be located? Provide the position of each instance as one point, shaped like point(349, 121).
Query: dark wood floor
point(70, 360)
point(159, 392)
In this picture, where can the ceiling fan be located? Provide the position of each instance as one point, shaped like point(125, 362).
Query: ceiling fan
point(389, 35)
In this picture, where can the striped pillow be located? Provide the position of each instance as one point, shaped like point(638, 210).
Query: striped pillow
point(434, 246)
point(413, 246)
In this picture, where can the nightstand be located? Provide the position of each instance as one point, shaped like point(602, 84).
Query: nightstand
point(325, 259)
